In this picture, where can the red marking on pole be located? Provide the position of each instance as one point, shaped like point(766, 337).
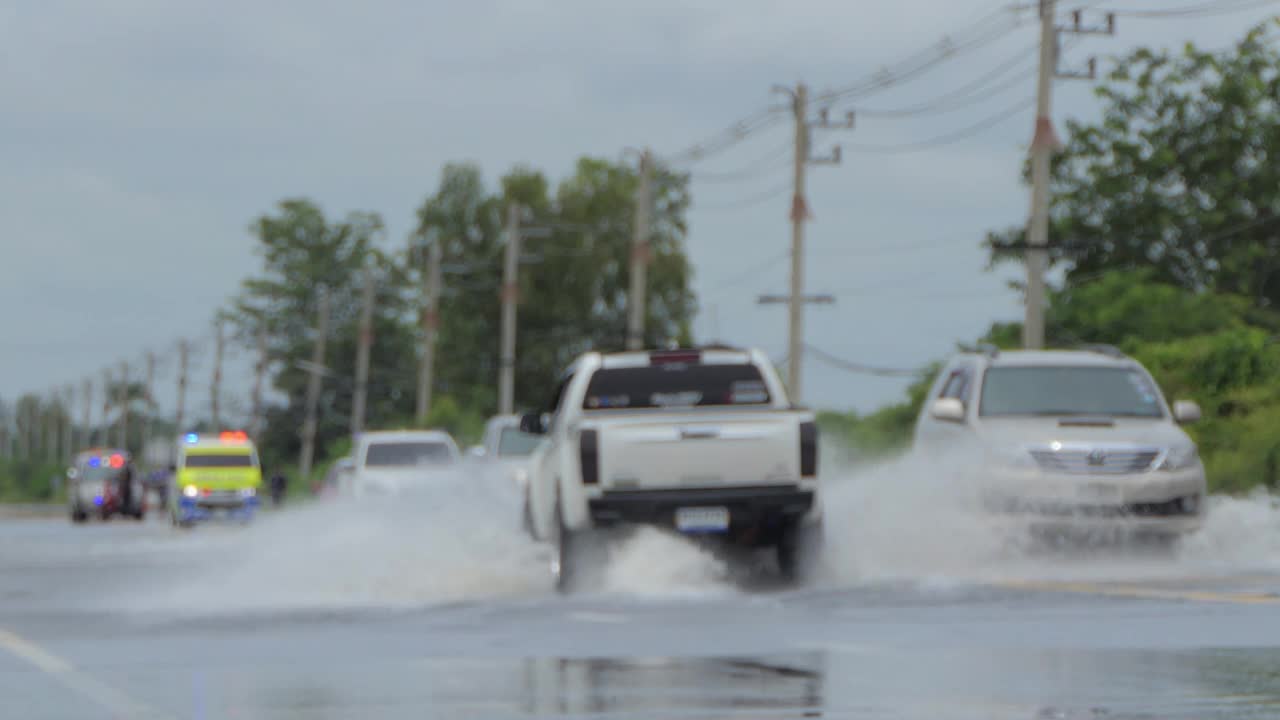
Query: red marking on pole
point(1045, 135)
point(510, 292)
point(432, 320)
point(799, 208)
point(366, 337)
point(641, 253)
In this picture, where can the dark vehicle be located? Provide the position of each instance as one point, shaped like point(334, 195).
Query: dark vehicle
point(103, 482)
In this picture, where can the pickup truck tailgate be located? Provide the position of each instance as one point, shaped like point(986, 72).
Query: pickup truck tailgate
point(708, 451)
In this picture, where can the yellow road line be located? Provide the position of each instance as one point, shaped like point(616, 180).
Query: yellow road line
point(1139, 591)
point(105, 696)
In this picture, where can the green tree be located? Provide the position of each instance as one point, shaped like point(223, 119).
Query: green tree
point(303, 254)
point(1179, 175)
point(573, 284)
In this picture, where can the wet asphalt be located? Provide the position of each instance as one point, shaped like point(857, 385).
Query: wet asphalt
point(89, 630)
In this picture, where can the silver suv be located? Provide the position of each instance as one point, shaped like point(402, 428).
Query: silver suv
point(1072, 437)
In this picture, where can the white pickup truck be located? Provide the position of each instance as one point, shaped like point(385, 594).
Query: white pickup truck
point(701, 441)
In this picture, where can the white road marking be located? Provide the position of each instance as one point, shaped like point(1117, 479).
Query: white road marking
point(106, 697)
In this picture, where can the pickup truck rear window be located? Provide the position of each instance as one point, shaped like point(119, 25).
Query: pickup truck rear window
point(675, 386)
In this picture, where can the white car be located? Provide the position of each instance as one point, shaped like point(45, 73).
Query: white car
point(700, 441)
point(1074, 439)
point(507, 449)
point(395, 462)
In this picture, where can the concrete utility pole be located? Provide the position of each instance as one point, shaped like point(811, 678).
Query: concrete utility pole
point(85, 438)
point(510, 296)
point(430, 324)
point(184, 357)
point(799, 214)
point(363, 348)
point(215, 388)
point(124, 405)
point(1043, 143)
point(68, 420)
point(259, 373)
point(107, 425)
point(150, 399)
point(636, 304)
point(313, 389)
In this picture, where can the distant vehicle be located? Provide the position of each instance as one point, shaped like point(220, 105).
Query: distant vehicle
point(94, 486)
point(393, 462)
point(1078, 439)
point(216, 476)
point(704, 441)
point(508, 449)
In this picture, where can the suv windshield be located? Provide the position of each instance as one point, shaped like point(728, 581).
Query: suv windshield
point(407, 454)
point(676, 385)
point(514, 443)
point(1067, 390)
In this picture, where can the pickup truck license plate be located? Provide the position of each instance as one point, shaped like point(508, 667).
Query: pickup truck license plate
point(702, 519)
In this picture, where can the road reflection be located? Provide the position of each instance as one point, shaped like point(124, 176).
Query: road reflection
point(777, 686)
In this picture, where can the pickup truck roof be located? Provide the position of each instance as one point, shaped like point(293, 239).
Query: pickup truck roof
point(705, 356)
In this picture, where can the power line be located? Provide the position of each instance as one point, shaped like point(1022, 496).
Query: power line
point(863, 368)
point(966, 95)
point(984, 124)
point(762, 164)
point(750, 200)
point(1197, 10)
point(755, 269)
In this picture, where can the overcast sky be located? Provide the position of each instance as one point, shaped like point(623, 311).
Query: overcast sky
point(140, 137)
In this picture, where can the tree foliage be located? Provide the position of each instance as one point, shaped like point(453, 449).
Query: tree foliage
point(1179, 175)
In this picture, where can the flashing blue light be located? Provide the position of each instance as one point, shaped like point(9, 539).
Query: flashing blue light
point(97, 500)
point(192, 437)
point(94, 462)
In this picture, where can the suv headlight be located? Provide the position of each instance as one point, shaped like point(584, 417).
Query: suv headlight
point(1180, 458)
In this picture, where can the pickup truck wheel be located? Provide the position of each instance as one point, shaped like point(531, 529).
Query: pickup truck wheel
point(798, 550)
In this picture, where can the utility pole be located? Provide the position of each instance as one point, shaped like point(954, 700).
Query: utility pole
point(313, 389)
point(510, 296)
point(259, 373)
point(362, 353)
point(636, 304)
point(799, 214)
point(124, 405)
point(68, 420)
point(215, 389)
point(107, 424)
point(430, 325)
point(150, 399)
point(86, 415)
point(1043, 143)
point(184, 353)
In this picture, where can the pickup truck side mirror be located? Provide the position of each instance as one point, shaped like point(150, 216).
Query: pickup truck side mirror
point(533, 423)
point(948, 410)
point(1186, 412)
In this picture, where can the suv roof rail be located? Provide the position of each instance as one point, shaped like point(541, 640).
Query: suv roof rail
point(988, 349)
point(1103, 349)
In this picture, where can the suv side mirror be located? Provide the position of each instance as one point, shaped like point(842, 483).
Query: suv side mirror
point(533, 423)
point(1186, 412)
point(948, 410)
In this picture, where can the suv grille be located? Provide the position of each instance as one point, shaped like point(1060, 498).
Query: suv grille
point(1096, 462)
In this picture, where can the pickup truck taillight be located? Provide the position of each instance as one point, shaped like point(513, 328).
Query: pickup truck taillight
point(589, 454)
point(808, 449)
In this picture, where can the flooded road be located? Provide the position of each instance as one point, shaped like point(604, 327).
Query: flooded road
point(327, 612)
